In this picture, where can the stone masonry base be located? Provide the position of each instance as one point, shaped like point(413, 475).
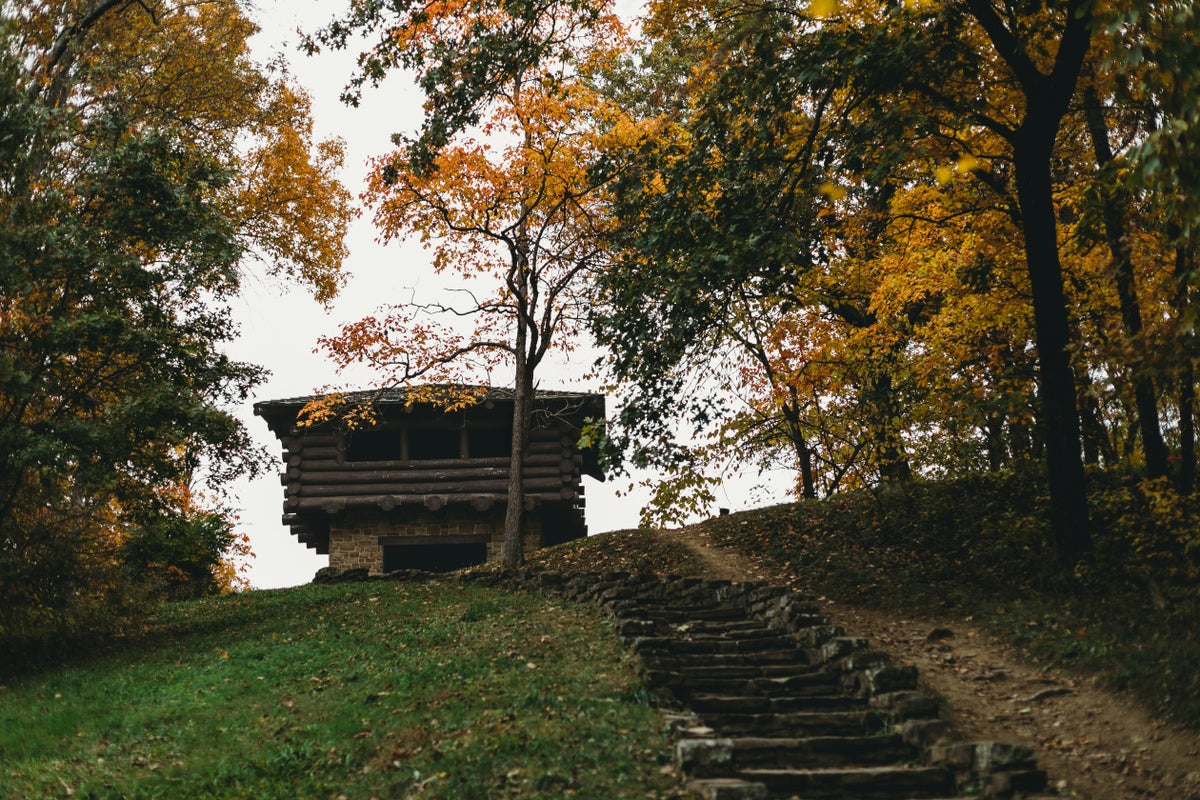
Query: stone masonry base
point(354, 539)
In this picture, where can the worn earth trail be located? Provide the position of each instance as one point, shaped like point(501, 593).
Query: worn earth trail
point(1096, 744)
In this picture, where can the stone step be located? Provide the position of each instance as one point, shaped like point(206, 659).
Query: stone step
point(770, 681)
point(860, 783)
point(707, 758)
point(768, 663)
point(726, 704)
point(711, 644)
point(749, 671)
point(681, 615)
point(742, 631)
point(801, 684)
point(718, 627)
point(796, 724)
point(750, 658)
point(743, 628)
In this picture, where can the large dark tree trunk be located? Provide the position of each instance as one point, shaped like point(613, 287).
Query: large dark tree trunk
point(1047, 96)
point(1114, 207)
point(1032, 151)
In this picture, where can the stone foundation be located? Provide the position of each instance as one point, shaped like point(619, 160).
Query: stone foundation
point(354, 539)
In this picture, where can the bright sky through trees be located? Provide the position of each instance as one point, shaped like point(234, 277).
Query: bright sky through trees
point(280, 328)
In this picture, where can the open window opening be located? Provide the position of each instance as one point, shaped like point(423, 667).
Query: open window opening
point(494, 441)
point(374, 444)
point(431, 444)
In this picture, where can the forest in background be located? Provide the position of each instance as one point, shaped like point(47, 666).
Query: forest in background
point(871, 241)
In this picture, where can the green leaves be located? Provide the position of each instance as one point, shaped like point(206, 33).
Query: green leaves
point(143, 158)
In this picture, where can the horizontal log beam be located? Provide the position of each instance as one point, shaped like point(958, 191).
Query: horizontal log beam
point(416, 474)
point(337, 505)
point(317, 452)
point(430, 487)
point(332, 464)
point(302, 443)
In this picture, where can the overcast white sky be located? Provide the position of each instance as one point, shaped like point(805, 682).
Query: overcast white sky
point(279, 326)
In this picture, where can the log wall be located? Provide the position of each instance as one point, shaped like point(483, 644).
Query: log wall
point(318, 479)
point(345, 506)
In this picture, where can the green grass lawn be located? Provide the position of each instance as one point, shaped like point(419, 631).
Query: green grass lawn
point(381, 690)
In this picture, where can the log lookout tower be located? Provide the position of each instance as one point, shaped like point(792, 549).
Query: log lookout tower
point(424, 488)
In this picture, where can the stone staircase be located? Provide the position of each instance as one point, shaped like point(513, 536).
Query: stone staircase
point(773, 701)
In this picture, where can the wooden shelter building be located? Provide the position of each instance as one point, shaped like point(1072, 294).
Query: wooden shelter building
point(427, 489)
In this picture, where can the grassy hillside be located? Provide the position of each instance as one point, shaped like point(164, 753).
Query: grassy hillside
point(349, 691)
point(979, 547)
point(456, 691)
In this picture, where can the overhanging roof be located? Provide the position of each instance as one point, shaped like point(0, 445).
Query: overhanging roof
point(281, 414)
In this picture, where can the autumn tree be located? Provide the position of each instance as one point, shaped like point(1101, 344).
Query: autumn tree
point(725, 241)
point(147, 162)
point(843, 158)
point(1158, 59)
point(498, 185)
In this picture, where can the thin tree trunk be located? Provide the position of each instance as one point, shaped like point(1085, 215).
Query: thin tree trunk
point(1114, 205)
point(512, 551)
point(804, 459)
point(1097, 445)
point(791, 415)
point(889, 446)
point(1187, 374)
point(804, 453)
point(993, 435)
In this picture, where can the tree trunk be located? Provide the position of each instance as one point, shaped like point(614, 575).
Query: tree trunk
point(993, 432)
point(512, 552)
point(885, 425)
point(1047, 97)
point(1032, 150)
point(795, 432)
point(804, 453)
point(1187, 374)
point(1114, 204)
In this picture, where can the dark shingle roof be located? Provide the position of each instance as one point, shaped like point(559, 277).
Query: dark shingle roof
point(400, 395)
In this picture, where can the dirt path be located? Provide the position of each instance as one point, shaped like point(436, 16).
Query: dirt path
point(1096, 744)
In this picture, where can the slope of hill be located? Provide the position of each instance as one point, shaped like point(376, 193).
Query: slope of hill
point(353, 691)
point(1088, 667)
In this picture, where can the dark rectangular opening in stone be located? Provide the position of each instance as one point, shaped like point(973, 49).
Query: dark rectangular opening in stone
point(433, 557)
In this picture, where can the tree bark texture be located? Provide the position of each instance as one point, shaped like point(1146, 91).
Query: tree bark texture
point(1060, 419)
point(512, 552)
